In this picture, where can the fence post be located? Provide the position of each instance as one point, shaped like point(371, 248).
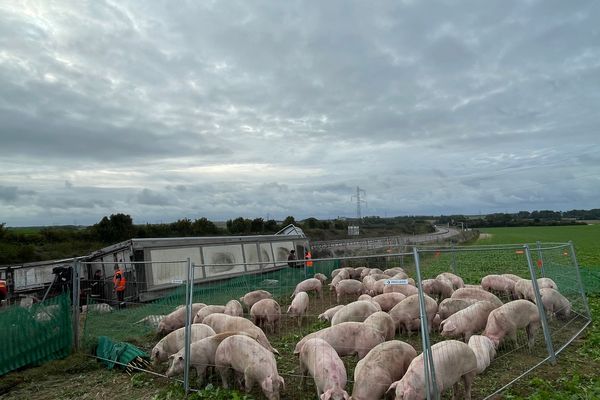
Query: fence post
point(430, 384)
point(541, 258)
point(453, 259)
point(579, 281)
point(76, 290)
point(540, 306)
point(189, 291)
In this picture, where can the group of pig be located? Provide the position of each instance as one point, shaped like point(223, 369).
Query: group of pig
point(365, 327)
point(222, 338)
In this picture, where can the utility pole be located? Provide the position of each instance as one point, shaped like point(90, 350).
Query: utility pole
point(359, 201)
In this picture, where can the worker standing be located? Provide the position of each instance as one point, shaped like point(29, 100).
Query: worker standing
point(120, 283)
point(308, 258)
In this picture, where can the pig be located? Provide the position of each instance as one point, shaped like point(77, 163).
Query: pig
point(347, 338)
point(379, 276)
point(374, 271)
point(349, 287)
point(407, 290)
point(383, 323)
point(176, 319)
point(456, 280)
point(505, 320)
point(202, 355)
point(450, 306)
point(345, 270)
point(356, 274)
point(299, 306)
point(329, 313)
point(452, 361)
point(234, 308)
point(343, 274)
point(386, 363)
point(476, 294)
point(252, 297)
point(498, 283)
point(484, 351)
point(387, 301)
point(365, 297)
point(253, 361)
point(437, 288)
point(206, 311)
point(308, 285)
point(436, 322)
point(223, 323)
point(393, 271)
point(379, 285)
point(321, 277)
point(356, 311)
point(512, 277)
point(547, 283)
point(318, 358)
point(364, 272)
point(468, 321)
point(402, 275)
point(406, 313)
point(369, 283)
point(524, 290)
point(266, 313)
point(555, 303)
point(175, 341)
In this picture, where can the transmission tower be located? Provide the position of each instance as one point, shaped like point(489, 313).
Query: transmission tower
point(359, 201)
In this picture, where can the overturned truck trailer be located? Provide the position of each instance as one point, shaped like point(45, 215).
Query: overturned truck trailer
point(151, 269)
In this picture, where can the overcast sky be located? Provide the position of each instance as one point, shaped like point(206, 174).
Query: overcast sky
point(165, 110)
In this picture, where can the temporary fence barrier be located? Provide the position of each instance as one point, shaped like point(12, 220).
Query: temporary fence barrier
point(36, 334)
point(134, 322)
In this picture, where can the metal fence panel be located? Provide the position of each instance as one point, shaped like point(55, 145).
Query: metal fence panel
point(36, 334)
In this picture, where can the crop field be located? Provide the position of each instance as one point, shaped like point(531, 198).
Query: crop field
point(573, 377)
point(586, 238)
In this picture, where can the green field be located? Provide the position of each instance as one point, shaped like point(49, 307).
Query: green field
point(586, 238)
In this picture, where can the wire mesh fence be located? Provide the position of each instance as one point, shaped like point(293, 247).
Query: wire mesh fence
point(35, 334)
point(388, 282)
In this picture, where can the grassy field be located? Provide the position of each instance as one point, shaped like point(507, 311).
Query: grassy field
point(574, 376)
point(586, 238)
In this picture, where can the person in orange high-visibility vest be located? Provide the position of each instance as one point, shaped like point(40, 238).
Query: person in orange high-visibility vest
point(307, 257)
point(120, 283)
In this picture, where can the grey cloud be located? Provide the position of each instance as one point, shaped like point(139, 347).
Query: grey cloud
point(152, 198)
point(429, 107)
point(10, 194)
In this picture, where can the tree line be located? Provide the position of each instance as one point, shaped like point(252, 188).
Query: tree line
point(523, 218)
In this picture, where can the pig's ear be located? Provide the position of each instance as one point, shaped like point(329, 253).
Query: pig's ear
point(282, 383)
point(267, 384)
point(326, 395)
point(346, 396)
point(391, 389)
point(448, 326)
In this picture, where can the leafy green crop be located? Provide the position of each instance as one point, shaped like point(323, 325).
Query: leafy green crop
point(585, 238)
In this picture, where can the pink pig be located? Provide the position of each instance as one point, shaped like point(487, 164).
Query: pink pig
point(326, 367)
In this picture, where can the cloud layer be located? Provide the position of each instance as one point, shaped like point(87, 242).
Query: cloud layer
point(167, 111)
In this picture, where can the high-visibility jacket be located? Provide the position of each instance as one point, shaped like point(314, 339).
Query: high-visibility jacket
point(119, 283)
point(308, 256)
